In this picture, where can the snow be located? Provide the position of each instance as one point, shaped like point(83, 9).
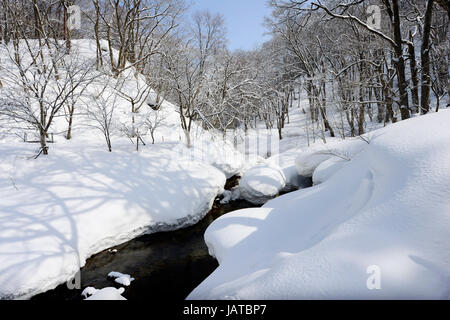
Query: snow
point(109, 293)
point(386, 208)
point(120, 278)
point(88, 291)
point(261, 183)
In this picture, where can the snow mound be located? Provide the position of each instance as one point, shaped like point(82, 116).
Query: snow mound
point(383, 217)
point(261, 183)
point(109, 293)
point(120, 278)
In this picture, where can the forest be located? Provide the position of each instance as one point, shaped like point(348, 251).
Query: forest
point(357, 62)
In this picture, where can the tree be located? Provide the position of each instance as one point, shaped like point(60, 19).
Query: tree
point(100, 106)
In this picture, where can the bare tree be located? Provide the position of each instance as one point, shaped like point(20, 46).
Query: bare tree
point(100, 107)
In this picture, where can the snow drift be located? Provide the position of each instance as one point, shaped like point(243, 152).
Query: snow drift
point(386, 208)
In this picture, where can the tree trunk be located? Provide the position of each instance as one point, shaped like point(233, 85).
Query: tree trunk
point(414, 77)
point(69, 129)
point(425, 58)
point(188, 138)
point(400, 63)
point(43, 141)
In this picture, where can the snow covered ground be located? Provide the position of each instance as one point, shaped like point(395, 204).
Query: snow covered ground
point(376, 225)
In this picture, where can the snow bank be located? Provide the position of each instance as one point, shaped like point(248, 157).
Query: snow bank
point(384, 214)
point(58, 210)
point(261, 183)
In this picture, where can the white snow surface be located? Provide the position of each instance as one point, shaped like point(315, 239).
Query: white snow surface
point(109, 293)
point(387, 206)
point(261, 183)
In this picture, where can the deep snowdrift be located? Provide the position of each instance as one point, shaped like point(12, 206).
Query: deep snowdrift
point(387, 206)
point(58, 210)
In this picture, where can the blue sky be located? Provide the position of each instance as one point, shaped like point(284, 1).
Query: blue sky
point(243, 18)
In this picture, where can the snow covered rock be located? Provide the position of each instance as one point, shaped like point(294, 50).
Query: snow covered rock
point(382, 218)
point(261, 183)
point(230, 195)
point(120, 278)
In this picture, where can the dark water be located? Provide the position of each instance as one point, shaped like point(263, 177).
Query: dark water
point(166, 265)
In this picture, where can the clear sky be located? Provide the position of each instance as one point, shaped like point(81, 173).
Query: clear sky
point(243, 19)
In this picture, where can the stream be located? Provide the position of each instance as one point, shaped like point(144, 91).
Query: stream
point(165, 265)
